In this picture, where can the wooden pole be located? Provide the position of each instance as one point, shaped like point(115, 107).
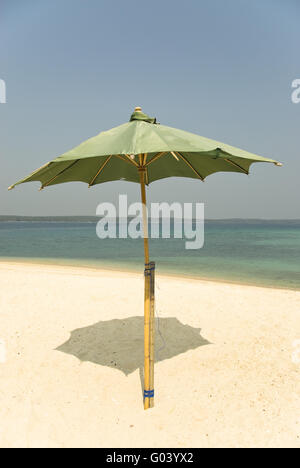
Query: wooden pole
point(148, 316)
point(152, 327)
point(145, 217)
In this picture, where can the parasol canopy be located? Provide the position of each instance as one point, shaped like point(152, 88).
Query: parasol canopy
point(164, 152)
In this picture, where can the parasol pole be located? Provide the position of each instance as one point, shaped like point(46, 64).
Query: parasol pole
point(148, 317)
point(152, 327)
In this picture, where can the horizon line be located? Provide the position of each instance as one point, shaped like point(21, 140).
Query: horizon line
point(98, 217)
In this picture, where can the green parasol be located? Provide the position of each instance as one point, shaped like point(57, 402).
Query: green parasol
point(143, 151)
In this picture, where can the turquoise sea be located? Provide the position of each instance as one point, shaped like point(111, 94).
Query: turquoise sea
point(264, 253)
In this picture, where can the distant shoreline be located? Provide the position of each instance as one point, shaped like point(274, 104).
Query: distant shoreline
point(95, 219)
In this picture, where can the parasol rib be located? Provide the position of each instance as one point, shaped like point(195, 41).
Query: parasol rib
point(190, 165)
point(100, 170)
point(146, 169)
point(126, 159)
point(146, 176)
point(158, 155)
point(237, 165)
point(60, 173)
point(132, 161)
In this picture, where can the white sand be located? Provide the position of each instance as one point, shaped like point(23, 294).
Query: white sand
point(241, 390)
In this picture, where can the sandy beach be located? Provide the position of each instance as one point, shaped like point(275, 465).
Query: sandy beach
point(71, 353)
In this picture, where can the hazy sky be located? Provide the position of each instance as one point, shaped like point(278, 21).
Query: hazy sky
point(222, 69)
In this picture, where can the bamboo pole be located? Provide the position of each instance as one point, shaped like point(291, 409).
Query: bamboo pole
point(152, 327)
point(147, 372)
point(145, 217)
point(148, 320)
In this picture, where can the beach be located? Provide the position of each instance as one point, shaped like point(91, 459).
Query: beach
point(71, 352)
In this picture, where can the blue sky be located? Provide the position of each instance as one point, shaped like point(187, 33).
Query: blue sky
point(220, 69)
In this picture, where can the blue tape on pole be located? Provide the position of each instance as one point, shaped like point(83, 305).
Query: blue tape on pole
point(148, 393)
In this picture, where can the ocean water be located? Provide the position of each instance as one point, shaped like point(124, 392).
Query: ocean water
point(261, 253)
